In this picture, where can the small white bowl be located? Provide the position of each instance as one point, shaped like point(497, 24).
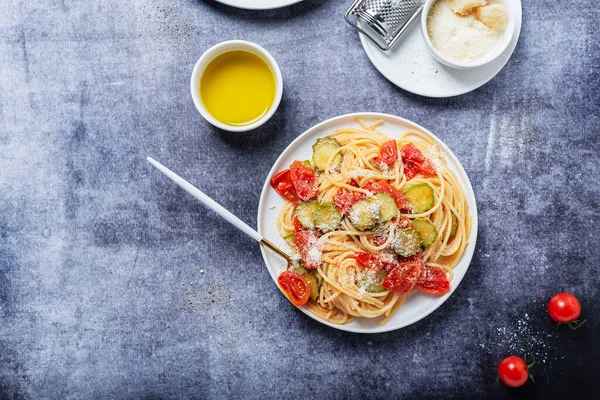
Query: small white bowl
point(489, 57)
point(219, 49)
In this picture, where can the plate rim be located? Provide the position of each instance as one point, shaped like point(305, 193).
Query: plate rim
point(368, 48)
point(469, 251)
point(236, 4)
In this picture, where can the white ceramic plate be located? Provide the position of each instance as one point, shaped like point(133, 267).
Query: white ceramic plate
point(259, 4)
point(419, 304)
point(410, 66)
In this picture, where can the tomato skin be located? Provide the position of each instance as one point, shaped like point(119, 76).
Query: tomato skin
point(304, 241)
point(433, 280)
point(344, 199)
point(389, 152)
point(383, 187)
point(369, 261)
point(282, 183)
point(380, 239)
point(564, 307)
point(295, 287)
point(403, 278)
point(304, 181)
point(415, 162)
point(513, 371)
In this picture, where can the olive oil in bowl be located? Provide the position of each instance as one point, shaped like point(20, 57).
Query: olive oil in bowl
point(238, 88)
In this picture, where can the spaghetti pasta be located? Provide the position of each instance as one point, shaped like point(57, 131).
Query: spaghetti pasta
point(366, 269)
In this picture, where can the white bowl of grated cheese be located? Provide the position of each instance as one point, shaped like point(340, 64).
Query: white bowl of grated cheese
point(466, 34)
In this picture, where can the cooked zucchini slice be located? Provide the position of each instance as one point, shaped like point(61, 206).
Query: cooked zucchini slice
point(306, 213)
point(323, 149)
point(421, 197)
point(388, 206)
point(406, 242)
point(327, 217)
point(319, 281)
point(314, 287)
point(365, 214)
point(454, 225)
point(301, 270)
point(426, 230)
point(373, 281)
point(315, 281)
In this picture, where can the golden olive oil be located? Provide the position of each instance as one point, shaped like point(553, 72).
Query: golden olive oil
point(237, 88)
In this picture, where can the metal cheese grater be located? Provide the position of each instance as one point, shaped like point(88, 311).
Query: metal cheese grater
point(383, 21)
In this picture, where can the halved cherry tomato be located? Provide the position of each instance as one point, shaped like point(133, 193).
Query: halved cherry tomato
point(415, 162)
point(282, 183)
point(383, 187)
point(304, 180)
point(389, 152)
point(369, 261)
point(295, 287)
point(344, 199)
point(433, 280)
point(564, 307)
point(403, 278)
point(305, 241)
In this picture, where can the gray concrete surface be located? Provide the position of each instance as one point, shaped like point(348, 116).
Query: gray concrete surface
point(113, 284)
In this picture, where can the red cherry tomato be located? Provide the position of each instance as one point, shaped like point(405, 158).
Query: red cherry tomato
point(295, 287)
point(306, 240)
point(513, 371)
point(433, 280)
point(389, 152)
point(415, 162)
point(403, 278)
point(383, 187)
point(369, 261)
point(344, 199)
point(564, 307)
point(282, 183)
point(304, 181)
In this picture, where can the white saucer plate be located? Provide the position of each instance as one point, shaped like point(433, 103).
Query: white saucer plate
point(410, 66)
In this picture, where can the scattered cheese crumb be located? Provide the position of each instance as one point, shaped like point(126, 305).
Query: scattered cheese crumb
point(434, 154)
point(360, 172)
point(314, 255)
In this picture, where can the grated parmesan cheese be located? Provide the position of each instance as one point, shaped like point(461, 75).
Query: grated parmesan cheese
point(360, 172)
point(462, 39)
point(361, 292)
point(314, 255)
point(434, 155)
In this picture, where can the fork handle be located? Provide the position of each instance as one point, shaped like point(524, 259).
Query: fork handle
point(207, 201)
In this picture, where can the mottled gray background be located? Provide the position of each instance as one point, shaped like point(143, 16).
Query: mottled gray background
point(115, 284)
